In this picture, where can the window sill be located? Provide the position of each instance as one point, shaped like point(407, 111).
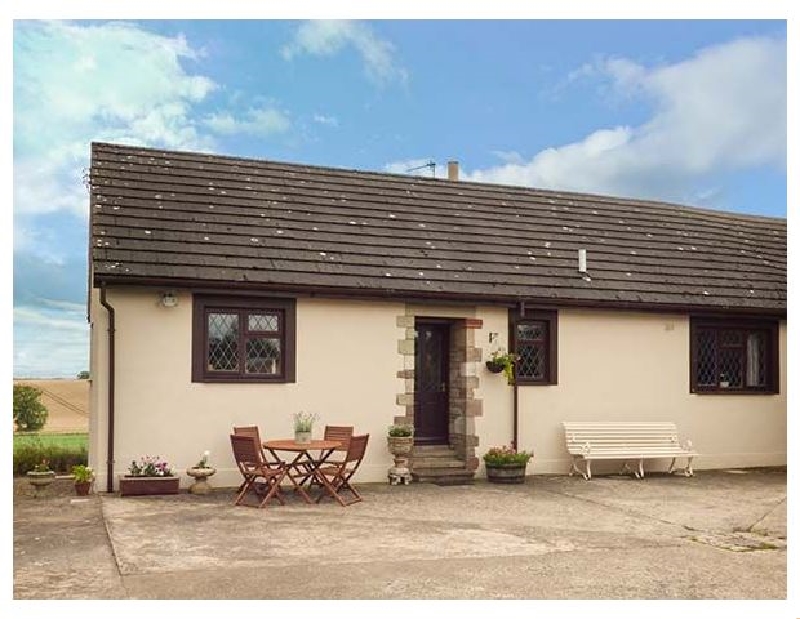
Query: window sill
point(725, 392)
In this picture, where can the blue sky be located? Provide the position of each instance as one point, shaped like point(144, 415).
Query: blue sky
point(686, 111)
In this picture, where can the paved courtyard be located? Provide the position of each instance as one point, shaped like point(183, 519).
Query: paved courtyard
point(721, 534)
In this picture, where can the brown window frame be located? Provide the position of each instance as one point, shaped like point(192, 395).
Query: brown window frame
point(550, 318)
point(746, 326)
point(203, 304)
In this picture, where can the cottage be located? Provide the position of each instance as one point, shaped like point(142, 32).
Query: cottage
point(228, 291)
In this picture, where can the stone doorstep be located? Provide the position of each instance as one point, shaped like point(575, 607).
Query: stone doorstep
point(437, 463)
point(428, 451)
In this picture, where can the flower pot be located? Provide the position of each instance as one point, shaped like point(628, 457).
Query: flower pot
point(40, 481)
point(302, 438)
point(130, 485)
point(494, 367)
point(200, 475)
point(506, 473)
point(82, 487)
point(400, 445)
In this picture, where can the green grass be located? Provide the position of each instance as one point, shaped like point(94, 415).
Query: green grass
point(62, 451)
point(75, 440)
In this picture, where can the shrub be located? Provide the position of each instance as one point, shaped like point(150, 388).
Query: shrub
point(82, 473)
point(61, 458)
point(83, 374)
point(401, 431)
point(505, 455)
point(29, 412)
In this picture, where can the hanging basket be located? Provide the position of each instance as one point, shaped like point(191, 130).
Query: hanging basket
point(494, 367)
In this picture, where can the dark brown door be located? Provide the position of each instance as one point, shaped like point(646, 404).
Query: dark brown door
point(431, 384)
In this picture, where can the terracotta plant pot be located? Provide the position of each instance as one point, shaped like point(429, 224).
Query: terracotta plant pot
point(82, 487)
point(141, 486)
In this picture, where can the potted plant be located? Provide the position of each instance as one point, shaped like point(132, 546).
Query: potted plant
point(303, 425)
point(40, 477)
point(501, 361)
point(200, 472)
point(84, 476)
point(506, 465)
point(400, 439)
point(148, 475)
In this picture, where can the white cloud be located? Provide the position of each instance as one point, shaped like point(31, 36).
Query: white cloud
point(328, 37)
point(77, 83)
point(330, 121)
point(264, 121)
point(722, 110)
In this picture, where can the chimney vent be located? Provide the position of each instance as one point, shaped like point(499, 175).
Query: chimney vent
point(581, 261)
point(452, 170)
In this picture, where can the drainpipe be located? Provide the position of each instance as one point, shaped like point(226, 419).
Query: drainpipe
point(111, 332)
point(516, 387)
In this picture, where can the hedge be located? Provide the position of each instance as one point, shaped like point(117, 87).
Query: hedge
point(61, 458)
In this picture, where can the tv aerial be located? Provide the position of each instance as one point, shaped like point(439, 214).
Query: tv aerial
point(431, 164)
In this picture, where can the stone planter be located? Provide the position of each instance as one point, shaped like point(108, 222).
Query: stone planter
point(302, 438)
point(400, 447)
point(200, 475)
point(506, 473)
point(141, 486)
point(40, 481)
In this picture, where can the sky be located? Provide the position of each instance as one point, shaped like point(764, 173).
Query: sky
point(685, 111)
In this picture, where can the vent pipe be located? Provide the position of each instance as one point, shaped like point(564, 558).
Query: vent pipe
point(452, 170)
point(581, 261)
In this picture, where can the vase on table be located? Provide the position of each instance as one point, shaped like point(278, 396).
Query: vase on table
point(302, 437)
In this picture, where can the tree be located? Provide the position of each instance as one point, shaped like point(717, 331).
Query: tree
point(83, 374)
point(29, 412)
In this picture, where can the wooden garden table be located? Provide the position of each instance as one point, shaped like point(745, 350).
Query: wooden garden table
point(304, 464)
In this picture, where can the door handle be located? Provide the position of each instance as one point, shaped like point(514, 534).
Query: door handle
point(443, 387)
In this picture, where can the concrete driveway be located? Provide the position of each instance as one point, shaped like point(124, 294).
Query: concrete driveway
point(721, 534)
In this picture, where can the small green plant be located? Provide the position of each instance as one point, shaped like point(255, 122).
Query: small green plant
point(304, 422)
point(29, 413)
point(498, 456)
point(82, 473)
point(42, 467)
point(506, 360)
point(401, 430)
point(203, 462)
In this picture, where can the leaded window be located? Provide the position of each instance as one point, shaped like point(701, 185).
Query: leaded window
point(533, 340)
point(729, 357)
point(250, 340)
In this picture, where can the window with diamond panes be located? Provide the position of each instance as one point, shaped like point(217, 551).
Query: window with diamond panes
point(532, 340)
point(246, 343)
point(730, 358)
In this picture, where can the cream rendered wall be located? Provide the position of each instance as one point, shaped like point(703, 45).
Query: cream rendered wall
point(347, 361)
point(612, 365)
point(635, 366)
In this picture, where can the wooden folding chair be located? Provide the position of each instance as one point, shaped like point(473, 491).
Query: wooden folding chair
point(332, 433)
point(253, 467)
point(335, 479)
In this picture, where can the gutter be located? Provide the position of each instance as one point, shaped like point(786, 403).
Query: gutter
point(111, 381)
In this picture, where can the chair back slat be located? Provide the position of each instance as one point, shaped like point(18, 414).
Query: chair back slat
point(357, 448)
point(247, 431)
point(246, 449)
point(339, 433)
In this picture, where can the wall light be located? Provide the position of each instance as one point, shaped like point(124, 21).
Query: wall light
point(169, 299)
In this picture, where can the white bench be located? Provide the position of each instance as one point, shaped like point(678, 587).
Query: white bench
point(623, 440)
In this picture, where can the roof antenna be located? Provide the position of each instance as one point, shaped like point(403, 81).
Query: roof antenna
point(431, 164)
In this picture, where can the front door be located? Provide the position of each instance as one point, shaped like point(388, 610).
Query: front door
point(431, 383)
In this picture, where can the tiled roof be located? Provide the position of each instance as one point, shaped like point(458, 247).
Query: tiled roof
point(191, 218)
